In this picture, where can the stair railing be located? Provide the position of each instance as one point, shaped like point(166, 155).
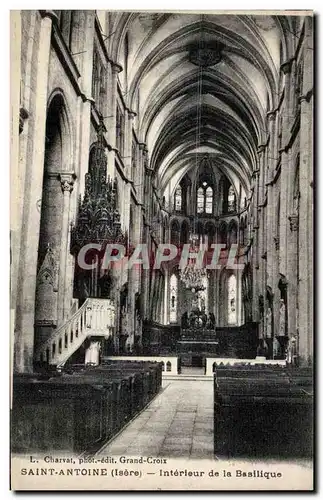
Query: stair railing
point(96, 317)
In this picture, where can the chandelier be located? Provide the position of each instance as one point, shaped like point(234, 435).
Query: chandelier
point(193, 275)
point(193, 278)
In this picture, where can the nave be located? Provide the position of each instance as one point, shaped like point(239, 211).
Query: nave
point(177, 423)
point(162, 270)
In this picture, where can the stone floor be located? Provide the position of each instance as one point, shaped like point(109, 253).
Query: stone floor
point(177, 423)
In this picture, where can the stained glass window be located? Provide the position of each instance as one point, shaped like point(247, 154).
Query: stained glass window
point(231, 200)
point(200, 200)
point(178, 199)
point(173, 299)
point(205, 198)
point(232, 298)
point(208, 200)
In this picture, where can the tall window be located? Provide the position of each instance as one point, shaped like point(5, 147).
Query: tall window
point(222, 233)
point(232, 299)
point(178, 199)
point(208, 200)
point(200, 200)
point(205, 199)
point(173, 299)
point(231, 200)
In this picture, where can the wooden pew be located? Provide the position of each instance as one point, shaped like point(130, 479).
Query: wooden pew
point(80, 410)
point(263, 413)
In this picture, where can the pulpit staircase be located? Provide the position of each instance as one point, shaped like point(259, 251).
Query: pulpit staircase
point(95, 318)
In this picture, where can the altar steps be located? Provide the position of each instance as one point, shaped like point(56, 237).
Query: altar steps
point(203, 378)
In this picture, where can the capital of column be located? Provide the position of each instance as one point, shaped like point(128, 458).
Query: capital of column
point(131, 114)
point(271, 115)
point(143, 147)
point(261, 148)
point(67, 181)
point(306, 97)
point(293, 221)
point(116, 68)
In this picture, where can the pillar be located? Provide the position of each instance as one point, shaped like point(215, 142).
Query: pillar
point(25, 310)
point(67, 181)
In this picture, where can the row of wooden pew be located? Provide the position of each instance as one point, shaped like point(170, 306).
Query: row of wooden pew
point(79, 410)
point(263, 412)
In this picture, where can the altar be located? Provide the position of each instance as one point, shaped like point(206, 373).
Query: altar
point(195, 345)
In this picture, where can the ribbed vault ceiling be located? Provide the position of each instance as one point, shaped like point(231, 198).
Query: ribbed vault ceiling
point(237, 91)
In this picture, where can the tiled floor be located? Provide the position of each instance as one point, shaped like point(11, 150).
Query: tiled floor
point(178, 423)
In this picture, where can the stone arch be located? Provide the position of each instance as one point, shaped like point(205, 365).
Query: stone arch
point(58, 101)
point(222, 238)
point(175, 232)
point(210, 231)
point(184, 232)
point(232, 232)
point(57, 175)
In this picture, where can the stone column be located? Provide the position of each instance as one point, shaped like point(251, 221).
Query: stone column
point(166, 297)
point(305, 289)
point(292, 266)
point(255, 257)
point(271, 206)
point(261, 233)
point(25, 311)
point(67, 181)
point(306, 232)
point(17, 174)
point(87, 99)
point(141, 174)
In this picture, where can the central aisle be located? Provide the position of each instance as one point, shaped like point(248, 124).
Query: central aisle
point(178, 423)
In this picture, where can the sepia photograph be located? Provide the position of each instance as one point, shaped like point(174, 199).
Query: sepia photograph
point(161, 241)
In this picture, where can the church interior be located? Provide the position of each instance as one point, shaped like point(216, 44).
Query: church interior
point(157, 134)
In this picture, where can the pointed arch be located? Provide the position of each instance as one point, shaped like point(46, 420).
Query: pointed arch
point(223, 233)
point(232, 201)
point(58, 115)
point(175, 232)
point(184, 232)
point(209, 231)
point(58, 160)
point(232, 232)
point(200, 200)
